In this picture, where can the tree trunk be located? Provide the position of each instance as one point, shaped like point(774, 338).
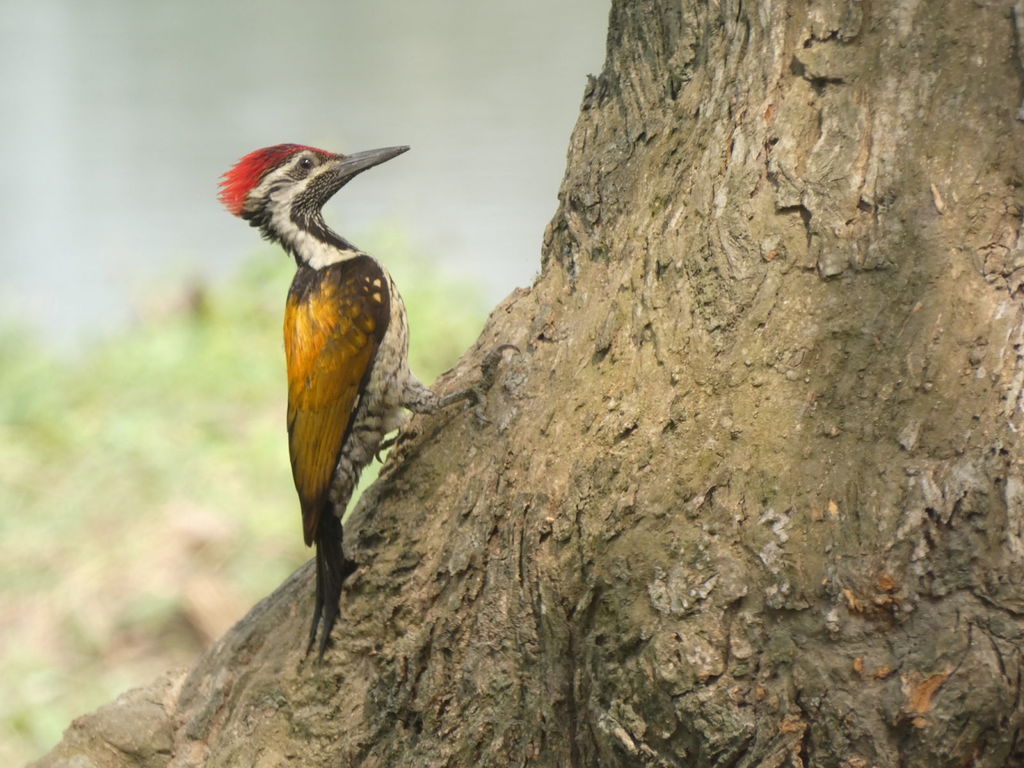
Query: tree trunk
point(752, 494)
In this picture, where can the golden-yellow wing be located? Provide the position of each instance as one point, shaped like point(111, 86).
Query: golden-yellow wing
point(334, 321)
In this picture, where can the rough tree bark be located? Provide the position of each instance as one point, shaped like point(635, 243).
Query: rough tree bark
point(753, 492)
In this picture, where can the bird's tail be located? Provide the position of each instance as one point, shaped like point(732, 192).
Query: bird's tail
point(332, 568)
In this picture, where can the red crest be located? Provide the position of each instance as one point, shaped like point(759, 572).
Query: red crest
point(236, 184)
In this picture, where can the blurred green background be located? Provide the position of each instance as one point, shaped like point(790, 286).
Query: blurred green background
point(146, 492)
point(145, 496)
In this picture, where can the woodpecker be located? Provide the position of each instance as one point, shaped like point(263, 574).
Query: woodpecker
point(346, 341)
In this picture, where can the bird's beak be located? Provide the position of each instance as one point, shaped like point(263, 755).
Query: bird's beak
point(349, 165)
point(344, 168)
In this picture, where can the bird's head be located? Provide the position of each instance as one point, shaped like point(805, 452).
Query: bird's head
point(282, 189)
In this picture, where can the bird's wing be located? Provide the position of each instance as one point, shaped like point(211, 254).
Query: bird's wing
point(334, 322)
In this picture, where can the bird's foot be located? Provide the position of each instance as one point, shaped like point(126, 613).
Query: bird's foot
point(384, 445)
point(401, 431)
point(478, 392)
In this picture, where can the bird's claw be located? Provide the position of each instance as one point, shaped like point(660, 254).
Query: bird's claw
point(402, 433)
point(489, 367)
point(384, 445)
point(488, 372)
point(479, 413)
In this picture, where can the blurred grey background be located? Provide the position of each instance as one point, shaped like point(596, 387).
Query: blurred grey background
point(120, 115)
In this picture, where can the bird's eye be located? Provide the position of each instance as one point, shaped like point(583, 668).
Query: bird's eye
point(306, 163)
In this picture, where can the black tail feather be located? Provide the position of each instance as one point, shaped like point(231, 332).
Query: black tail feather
point(318, 604)
point(332, 568)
